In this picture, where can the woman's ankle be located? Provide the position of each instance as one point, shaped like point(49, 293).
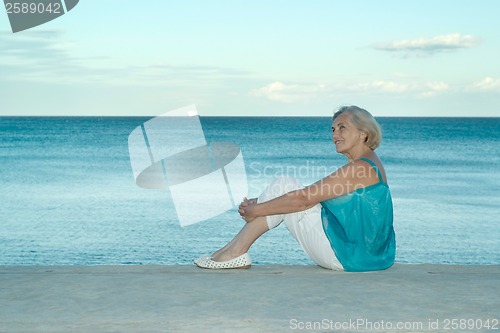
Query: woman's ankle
point(228, 254)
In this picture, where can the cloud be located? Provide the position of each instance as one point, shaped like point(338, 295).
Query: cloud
point(428, 89)
point(434, 88)
point(486, 84)
point(46, 56)
point(31, 48)
point(37, 56)
point(303, 92)
point(378, 86)
point(290, 93)
point(432, 45)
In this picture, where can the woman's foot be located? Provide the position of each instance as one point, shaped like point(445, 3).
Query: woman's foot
point(243, 261)
point(238, 246)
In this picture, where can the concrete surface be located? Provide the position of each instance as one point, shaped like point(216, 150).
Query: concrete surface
point(267, 298)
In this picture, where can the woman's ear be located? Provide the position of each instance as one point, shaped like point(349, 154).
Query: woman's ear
point(365, 136)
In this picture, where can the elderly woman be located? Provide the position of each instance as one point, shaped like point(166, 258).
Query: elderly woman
point(343, 221)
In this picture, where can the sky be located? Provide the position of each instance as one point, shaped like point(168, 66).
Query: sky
point(256, 58)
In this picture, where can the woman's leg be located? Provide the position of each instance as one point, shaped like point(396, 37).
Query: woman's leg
point(243, 240)
point(306, 226)
point(253, 230)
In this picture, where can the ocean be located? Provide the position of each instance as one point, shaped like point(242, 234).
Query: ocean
point(68, 196)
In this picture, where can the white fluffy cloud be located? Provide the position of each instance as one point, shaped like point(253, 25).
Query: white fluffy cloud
point(430, 45)
point(379, 86)
point(486, 84)
point(290, 93)
point(434, 88)
point(428, 89)
point(302, 92)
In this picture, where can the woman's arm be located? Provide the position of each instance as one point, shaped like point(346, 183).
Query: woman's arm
point(346, 179)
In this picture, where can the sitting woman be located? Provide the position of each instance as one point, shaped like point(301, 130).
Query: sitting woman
point(343, 221)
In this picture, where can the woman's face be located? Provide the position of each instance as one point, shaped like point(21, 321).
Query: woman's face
point(345, 135)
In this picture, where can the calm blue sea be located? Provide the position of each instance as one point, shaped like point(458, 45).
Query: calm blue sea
point(68, 196)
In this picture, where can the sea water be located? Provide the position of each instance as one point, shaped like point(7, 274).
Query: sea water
point(68, 196)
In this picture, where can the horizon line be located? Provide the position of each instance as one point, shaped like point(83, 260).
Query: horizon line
point(227, 116)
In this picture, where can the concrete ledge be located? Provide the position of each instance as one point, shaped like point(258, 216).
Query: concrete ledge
point(266, 298)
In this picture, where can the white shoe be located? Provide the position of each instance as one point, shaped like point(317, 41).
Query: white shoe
point(243, 261)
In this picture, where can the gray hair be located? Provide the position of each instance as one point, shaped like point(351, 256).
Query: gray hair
point(363, 121)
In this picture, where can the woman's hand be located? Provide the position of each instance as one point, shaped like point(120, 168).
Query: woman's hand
point(247, 209)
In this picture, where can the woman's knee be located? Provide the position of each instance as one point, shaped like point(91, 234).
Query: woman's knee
point(278, 187)
point(285, 184)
